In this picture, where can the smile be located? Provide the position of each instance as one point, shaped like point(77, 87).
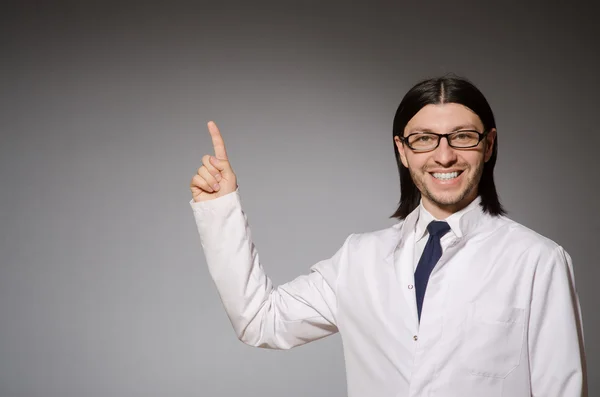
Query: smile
point(446, 176)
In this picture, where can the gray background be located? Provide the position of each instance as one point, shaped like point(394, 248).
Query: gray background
point(103, 285)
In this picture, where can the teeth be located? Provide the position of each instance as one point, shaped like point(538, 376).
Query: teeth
point(445, 175)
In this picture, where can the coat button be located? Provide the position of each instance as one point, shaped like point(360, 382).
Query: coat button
point(410, 286)
point(415, 337)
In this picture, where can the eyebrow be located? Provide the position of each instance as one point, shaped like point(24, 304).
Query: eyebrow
point(457, 128)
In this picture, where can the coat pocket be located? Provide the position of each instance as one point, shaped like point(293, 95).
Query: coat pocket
point(493, 339)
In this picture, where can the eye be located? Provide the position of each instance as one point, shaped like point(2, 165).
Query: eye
point(422, 140)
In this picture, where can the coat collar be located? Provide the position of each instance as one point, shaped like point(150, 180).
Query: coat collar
point(398, 233)
point(465, 222)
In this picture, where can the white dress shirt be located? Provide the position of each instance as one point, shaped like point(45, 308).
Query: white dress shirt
point(425, 218)
point(500, 318)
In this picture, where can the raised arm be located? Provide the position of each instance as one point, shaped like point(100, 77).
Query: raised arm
point(292, 314)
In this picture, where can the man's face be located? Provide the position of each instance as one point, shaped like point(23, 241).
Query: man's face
point(431, 170)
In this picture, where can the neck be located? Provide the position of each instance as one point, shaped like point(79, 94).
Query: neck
point(442, 211)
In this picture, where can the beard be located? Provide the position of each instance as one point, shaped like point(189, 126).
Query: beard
point(449, 199)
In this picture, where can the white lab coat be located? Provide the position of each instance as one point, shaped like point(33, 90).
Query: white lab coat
point(501, 316)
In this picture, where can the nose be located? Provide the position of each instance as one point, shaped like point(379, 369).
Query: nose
point(444, 154)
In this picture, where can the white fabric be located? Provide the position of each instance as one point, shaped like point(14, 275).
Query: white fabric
point(501, 316)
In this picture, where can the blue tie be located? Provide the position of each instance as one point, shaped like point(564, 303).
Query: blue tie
point(431, 254)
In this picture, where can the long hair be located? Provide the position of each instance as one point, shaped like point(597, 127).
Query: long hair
point(439, 90)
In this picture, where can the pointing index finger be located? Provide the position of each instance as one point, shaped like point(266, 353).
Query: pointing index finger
point(217, 141)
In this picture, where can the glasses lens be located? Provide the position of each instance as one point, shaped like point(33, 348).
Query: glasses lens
point(464, 139)
point(422, 141)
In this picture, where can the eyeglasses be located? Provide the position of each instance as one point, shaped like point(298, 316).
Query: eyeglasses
point(426, 141)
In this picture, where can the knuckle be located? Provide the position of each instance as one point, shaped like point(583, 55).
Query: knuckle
point(204, 186)
point(207, 175)
point(201, 183)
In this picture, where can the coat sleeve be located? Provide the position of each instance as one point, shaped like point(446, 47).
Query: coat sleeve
point(556, 345)
point(262, 315)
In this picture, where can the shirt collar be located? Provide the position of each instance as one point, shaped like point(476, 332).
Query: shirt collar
point(460, 222)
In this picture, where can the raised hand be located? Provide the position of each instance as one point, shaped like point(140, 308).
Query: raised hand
point(215, 178)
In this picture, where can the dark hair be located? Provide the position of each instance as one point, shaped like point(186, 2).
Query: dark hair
point(446, 89)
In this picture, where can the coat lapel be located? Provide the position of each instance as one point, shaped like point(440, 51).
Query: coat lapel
point(398, 248)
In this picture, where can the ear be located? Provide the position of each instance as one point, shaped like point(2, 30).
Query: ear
point(489, 147)
point(400, 147)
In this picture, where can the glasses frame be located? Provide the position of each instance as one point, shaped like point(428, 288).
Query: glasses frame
point(482, 135)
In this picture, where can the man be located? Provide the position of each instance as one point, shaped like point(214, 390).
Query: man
point(453, 300)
